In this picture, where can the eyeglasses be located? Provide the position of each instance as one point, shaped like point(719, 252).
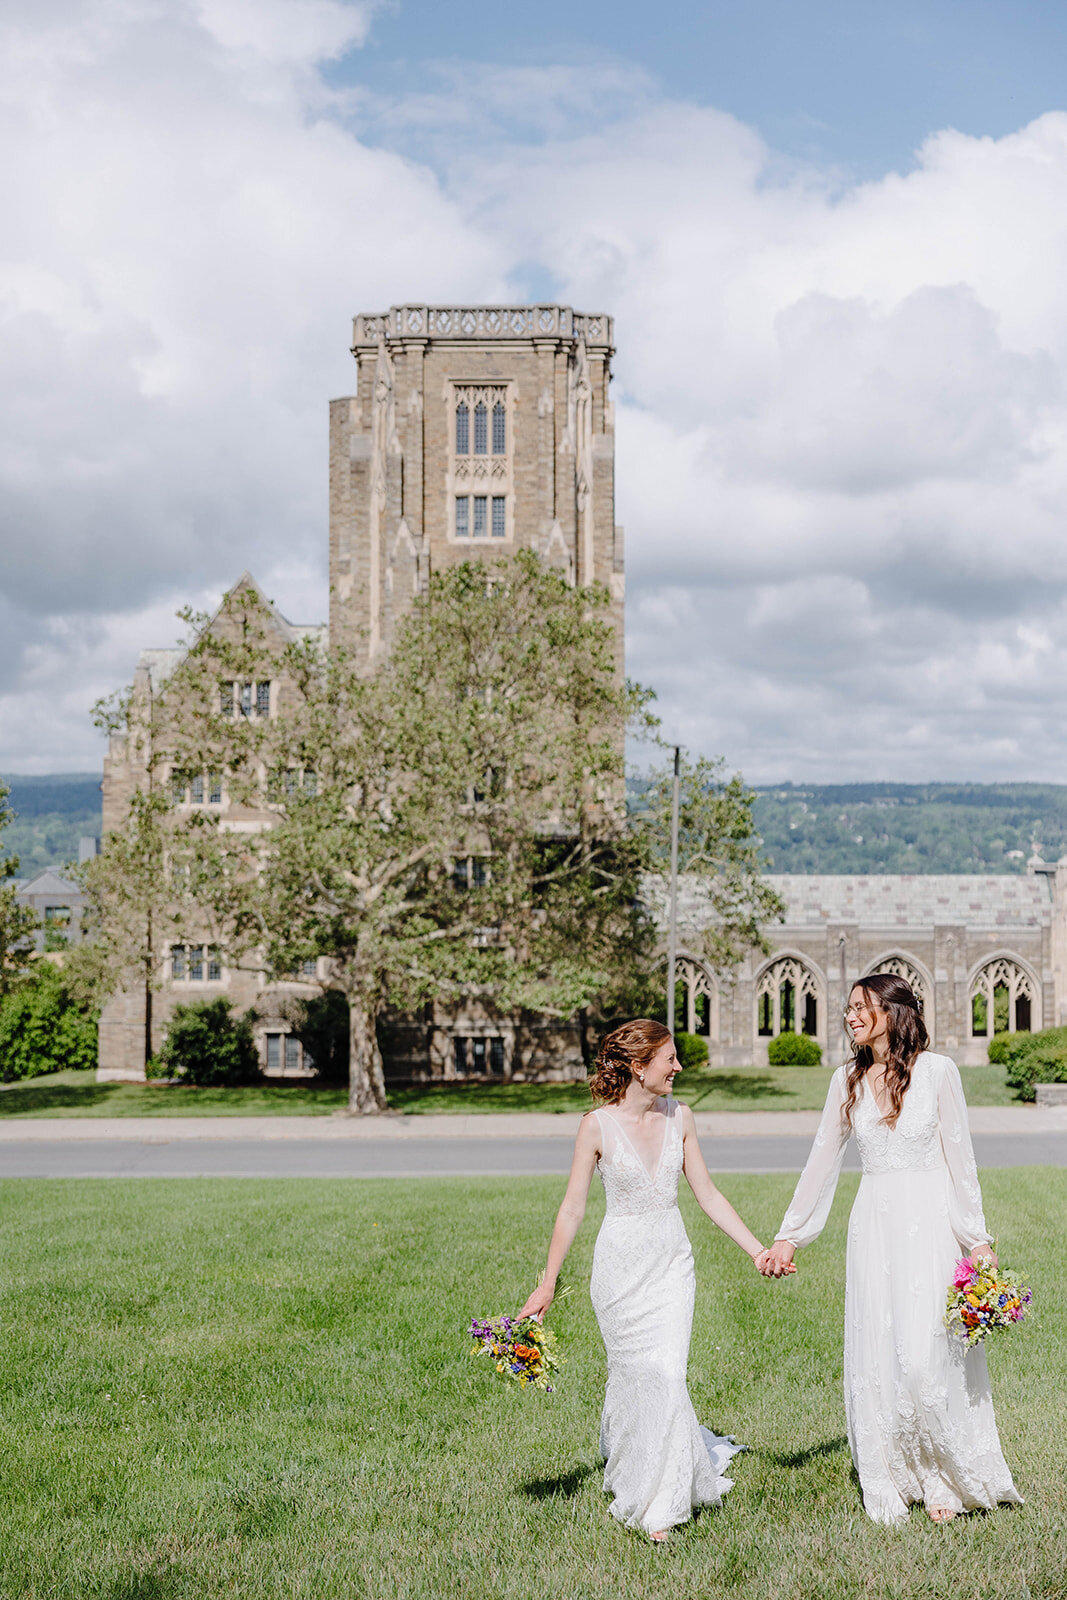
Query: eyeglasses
point(855, 1011)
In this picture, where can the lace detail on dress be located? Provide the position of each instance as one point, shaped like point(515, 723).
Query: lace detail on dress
point(659, 1461)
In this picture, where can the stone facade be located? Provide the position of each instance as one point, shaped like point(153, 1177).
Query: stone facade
point(983, 952)
point(189, 968)
point(471, 431)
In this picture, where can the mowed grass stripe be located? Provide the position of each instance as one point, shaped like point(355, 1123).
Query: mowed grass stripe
point(261, 1389)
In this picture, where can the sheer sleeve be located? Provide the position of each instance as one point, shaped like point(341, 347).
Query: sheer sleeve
point(814, 1193)
point(964, 1195)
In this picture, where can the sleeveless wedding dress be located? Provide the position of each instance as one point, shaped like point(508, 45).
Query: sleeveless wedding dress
point(660, 1462)
point(918, 1404)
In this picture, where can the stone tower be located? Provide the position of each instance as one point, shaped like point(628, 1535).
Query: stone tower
point(473, 430)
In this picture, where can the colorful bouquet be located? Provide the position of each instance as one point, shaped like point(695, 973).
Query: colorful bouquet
point(521, 1348)
point(983, 1296)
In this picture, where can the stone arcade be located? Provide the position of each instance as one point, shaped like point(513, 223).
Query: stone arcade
point(477, 429)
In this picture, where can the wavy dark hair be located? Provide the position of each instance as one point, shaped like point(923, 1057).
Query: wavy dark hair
point(907, 1036)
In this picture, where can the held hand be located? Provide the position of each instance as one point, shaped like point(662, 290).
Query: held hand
point(539, 1302)
point(777, 1262)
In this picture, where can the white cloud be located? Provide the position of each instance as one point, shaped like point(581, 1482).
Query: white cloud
point(841, 412)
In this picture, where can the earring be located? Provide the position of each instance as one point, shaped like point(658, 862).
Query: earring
point(640, 1077)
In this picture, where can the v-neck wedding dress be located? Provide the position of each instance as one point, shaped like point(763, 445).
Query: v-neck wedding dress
point(917, 1402)
point(659, 1461)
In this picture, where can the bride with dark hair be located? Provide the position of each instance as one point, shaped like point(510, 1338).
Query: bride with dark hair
point(918, 1403)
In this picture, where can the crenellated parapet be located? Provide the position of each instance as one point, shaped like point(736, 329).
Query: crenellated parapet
point(478, 323)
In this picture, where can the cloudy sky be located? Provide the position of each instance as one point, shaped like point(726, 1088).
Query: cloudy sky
point(833, 240)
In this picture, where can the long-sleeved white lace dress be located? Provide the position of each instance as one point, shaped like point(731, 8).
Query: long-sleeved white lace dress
point(918, 1404)
point(659, 1462)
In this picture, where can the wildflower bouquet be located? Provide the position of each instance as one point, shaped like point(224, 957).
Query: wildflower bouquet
point(982, 1296)
point(521, 1348)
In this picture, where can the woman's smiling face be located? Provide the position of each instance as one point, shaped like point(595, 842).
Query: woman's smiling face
point(865, 1021)
point(662, 1070)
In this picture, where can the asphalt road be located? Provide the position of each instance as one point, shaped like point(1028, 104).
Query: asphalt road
point(427, 1158)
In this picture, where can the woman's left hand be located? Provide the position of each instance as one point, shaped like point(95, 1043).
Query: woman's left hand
point(984, 1252)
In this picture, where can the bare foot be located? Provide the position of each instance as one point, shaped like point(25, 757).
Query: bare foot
point(661, 1536)
point(940, 1513)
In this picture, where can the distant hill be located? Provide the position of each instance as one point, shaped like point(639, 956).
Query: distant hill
point(853, 827)
point(911, 827)
point(52, 814)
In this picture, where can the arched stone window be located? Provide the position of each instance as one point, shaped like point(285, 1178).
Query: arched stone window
point(696, 1000)
point(903, 968)
point(1003, 999)
point(787, 999)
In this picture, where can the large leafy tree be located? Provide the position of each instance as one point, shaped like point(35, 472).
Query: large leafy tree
point(454, 821)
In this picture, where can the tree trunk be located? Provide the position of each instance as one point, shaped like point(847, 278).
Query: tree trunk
point(366, 1080)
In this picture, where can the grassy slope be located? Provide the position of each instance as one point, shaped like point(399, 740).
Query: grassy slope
point(77, 1094)
point(261, 1391)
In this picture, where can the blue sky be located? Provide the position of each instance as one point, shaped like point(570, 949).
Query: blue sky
point(832, 240)
point(845, 83)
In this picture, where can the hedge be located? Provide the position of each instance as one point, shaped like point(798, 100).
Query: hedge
point(794, 1050)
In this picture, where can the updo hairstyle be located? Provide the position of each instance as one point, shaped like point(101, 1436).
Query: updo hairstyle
point(623, 1053)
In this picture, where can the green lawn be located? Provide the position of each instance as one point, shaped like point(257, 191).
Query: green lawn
point(77, 1094)
point(260, 1390)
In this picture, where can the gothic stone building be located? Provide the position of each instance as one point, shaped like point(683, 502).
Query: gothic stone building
point(471, 430)
point(982, 952)
point(481, 429)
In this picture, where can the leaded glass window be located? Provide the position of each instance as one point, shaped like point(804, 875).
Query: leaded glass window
point(178, 788)
point(500, 429)
point(214, 791)
point(262, 699)
point(197, 788)
point(196, 963)
point(274, 1052)
point(463, 517)
point(500, 516)
point(463, 429)
point(177, 961)
point(246, 699)
point(226, 699)
point(214, 967)
point(481, 507)
point(481, 429)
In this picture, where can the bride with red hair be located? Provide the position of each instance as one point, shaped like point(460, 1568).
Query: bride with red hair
point(659, 1462)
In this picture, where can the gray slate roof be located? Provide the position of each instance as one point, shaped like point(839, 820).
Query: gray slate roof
point(885, 900)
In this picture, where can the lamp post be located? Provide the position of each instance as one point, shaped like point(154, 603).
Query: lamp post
point(672, 920)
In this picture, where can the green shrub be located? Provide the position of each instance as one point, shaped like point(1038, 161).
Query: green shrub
point(794, 1050)
point(42, 1028)
point(1000, 1046)
point(1033, 1058)
point(691, 1049)
point(206, 1045)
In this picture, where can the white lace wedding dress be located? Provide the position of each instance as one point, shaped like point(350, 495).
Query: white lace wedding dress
point(660, 1462)
point(918, 1404)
